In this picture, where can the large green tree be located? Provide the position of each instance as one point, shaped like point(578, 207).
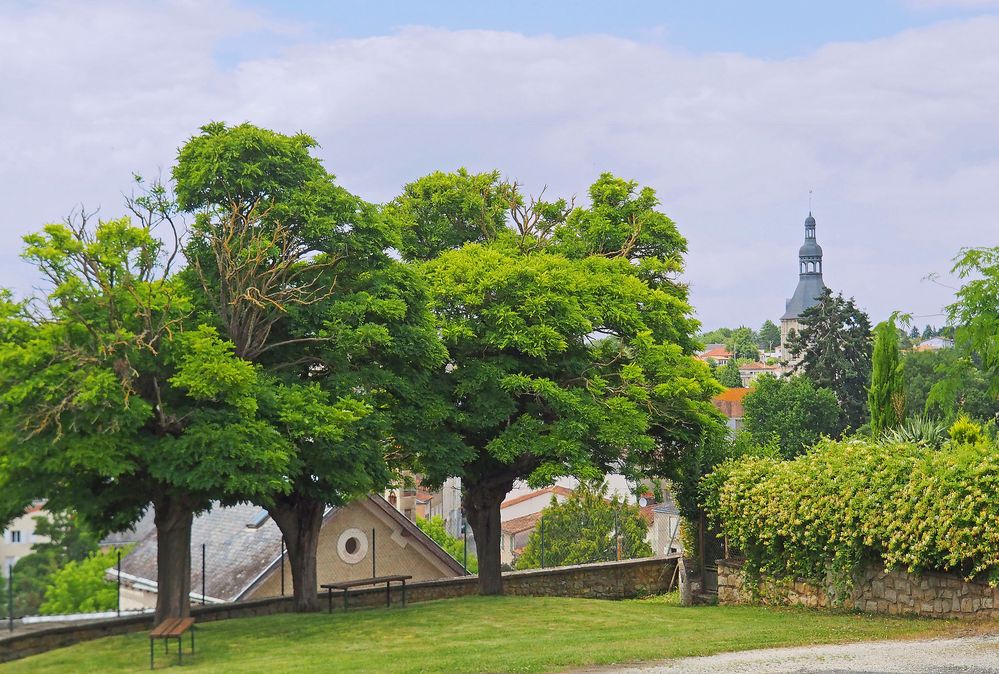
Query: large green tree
point(833, 349)
point(975, 312)
point(790, 411)
point(116, 396)
point(729, 374)
point(886, 394)
point(589, 526)
point(297, 273)
point(569, 344)
point(768, 336)
point(742, 344)
point(943, 383)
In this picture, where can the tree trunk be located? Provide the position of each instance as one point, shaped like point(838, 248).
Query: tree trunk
point(482, 509)
point(300, 520)
point(173, 517)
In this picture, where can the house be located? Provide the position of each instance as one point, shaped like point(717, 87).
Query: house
point(532, 502)
point(664, 527)
point(716, 353)
point(750, 371)
point(19, 537)
point(243, 553)
point(934, 344)
point(730, 403)
point(514, 536)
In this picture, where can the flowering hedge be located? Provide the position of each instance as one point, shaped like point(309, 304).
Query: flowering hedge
point(824, 514)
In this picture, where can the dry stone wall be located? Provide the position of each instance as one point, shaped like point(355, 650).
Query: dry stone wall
point(894, 592)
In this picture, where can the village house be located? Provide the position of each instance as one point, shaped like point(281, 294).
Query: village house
point(243, 555)
point(19, 537)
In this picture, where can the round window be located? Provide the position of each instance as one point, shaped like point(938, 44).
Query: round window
point(352, 546)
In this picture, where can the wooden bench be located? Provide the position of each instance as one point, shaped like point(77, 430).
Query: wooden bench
point(376, 580)
point(171, 628)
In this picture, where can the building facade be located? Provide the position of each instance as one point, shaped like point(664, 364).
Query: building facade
point(810, 286)
point(17, 540)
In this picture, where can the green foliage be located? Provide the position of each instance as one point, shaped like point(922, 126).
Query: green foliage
point(69, 539)
point(946, 382)
point(976, 311)
point(81, 587)
point(729, 375)
point(918, 430)
point(826, 513)
point(719, 336)
point(964, 431)
point(586, 527)
point(443, 211)
point(743, 344)
point(434, 528)
point(886, 394)
point(791, 412)
point(833, 349)
point(768, 336)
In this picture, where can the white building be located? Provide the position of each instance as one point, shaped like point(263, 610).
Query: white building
point(19, 537)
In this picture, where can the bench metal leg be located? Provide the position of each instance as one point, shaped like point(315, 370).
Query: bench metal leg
point(345, 599)
point(192, 639)
point(152, 652)
point(404, 594)
point(329, 599)
point(180, 650)
point(388, 595)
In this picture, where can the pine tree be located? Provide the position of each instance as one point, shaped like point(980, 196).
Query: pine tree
point(886, 395)
point(833, 349)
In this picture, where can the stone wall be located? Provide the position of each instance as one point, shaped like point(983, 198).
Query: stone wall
point(876, 590)
point(609, 580)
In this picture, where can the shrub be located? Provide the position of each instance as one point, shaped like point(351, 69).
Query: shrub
point(825, 514)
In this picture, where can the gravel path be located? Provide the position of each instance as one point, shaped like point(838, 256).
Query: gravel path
point(968, 655)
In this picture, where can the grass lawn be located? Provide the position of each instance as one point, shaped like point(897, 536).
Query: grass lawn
point(481, 634)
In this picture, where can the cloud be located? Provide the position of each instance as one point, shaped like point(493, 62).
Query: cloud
point(951, 4)
point(896, 136)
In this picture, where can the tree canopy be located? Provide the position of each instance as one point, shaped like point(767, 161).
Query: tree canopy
point(587, 527)
point(833, 349)
point(569, 345)
point(790, 411)
point(297, 273)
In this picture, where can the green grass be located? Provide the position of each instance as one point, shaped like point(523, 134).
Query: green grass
point(481, 634)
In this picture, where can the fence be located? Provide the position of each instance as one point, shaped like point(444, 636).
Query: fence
point(238, 554)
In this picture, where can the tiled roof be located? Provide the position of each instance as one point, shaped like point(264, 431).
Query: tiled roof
point(716, 352)
point(732, 394)
point(520, 524)
point(557, 489)
point(758, 366)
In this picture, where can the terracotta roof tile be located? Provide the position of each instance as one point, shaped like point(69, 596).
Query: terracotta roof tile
point(557, 489)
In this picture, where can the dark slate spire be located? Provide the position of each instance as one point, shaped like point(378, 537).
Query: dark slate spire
point(810, 285)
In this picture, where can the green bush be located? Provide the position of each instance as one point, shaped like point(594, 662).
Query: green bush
point(80, 587)
point(825, 514)
point(435, 529)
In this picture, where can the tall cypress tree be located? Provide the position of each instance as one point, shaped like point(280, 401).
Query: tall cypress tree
point(886, 395)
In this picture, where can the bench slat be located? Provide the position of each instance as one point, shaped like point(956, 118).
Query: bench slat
point(171, 628)
point(364, 581)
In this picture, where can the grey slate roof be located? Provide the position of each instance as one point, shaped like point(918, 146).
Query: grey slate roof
point(806, 295)
point(810, 285)
point(138, 531)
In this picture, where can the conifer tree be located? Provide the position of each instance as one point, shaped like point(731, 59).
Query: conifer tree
point(886, 395)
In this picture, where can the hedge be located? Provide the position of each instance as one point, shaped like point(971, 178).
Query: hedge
point(825, 514)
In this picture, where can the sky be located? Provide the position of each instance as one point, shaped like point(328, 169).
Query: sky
point(884, 110)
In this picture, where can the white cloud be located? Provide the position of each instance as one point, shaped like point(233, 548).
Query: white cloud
point(896, 136)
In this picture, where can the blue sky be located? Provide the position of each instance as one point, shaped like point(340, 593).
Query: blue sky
point(731, 111)
point(763, 28)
